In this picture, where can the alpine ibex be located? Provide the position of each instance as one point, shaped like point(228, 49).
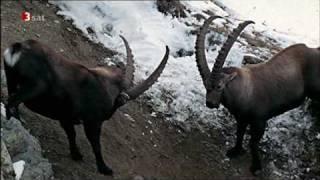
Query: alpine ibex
point(49, 84)
point(255, 93)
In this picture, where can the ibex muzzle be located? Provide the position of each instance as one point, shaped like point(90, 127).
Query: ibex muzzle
point(215, 86)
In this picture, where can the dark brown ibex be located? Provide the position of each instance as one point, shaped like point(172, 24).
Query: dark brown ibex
point(255, 93)
point(49, 84)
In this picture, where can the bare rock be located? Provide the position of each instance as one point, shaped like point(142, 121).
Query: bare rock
point(250, 59)
point(173, 7)
point(7, 171)
point(23, 146)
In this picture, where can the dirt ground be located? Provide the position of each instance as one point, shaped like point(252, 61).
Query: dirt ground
point(134, 142)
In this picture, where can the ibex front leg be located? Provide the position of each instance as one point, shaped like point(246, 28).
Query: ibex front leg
point(238, 150)
point(71, 134)
point(12, 85)
point(92, 130)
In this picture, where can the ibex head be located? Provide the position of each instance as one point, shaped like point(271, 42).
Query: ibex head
point(216, 80)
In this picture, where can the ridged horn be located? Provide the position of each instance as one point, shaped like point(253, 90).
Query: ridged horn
point(128, 77)
point(223, 53)
point(200, 50)
point(135, 91)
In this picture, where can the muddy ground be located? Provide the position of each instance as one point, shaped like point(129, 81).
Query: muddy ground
point(134, 142)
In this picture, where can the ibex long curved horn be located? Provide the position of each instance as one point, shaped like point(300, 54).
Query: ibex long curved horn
point(135, 91)
point(200, 50)
point(223, 53)
point(128, 77)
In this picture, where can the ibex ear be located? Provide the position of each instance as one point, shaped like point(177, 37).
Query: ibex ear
point(230, 77)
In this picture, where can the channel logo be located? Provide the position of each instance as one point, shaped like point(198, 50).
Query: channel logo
point(25, 16)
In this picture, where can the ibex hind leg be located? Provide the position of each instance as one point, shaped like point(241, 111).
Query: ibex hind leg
point(315, 112)
point(256, 131)
point(314, 93)
point(313, 83)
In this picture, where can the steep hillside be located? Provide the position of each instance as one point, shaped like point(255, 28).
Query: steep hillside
point(168, 133)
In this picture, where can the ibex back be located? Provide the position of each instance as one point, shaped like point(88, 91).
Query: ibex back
point(255, 93)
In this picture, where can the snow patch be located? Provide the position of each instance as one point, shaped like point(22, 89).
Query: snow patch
point(3, 110)
point(18, 168)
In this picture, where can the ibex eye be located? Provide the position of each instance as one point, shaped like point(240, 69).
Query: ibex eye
point(219, 87)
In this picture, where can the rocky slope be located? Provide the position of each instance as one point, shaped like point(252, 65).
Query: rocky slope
point(138, 141)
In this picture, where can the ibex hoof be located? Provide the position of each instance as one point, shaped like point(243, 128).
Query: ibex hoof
point(76, 156)
point(105, 170)
point(235, 152)
point(256, 169)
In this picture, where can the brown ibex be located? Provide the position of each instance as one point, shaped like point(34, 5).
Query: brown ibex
point(255, 93)
point(49, 84)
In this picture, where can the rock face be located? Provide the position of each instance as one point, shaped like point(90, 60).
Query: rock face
point(173, 7)
point(7, 171)
point(17, 144)
point(250, 59)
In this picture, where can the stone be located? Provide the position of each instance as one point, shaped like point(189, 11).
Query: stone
point(21, 145)
point(7, 171)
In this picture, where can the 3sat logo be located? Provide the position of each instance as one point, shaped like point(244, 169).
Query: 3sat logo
point(27, 16)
